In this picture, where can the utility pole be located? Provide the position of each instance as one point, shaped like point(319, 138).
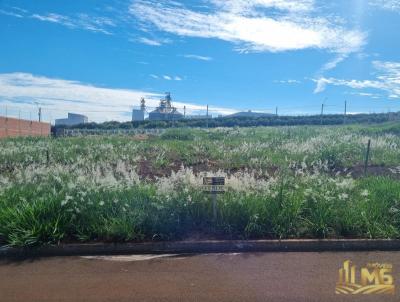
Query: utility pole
point(40, 114)
point(207, 116)
point(184, 111)
point(276, 111)
point(345, 112)
point(322, 113)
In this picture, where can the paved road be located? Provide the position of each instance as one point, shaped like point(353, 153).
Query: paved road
point(213, 277)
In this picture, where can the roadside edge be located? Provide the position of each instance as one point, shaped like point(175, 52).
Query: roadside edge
point(208, 246)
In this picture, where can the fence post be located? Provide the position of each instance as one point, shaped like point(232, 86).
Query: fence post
point(214, 204)
point(367, 157)
point(19, 122)
point(6, 122)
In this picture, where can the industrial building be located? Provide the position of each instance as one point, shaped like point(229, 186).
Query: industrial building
point(138, 114)
point(165, 111)
point(73, 119)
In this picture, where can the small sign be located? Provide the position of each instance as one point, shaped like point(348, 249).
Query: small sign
point(214, 185)
point(214, 181)
point(214, 189)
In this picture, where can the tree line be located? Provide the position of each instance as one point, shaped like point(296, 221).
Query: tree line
point(331, 119)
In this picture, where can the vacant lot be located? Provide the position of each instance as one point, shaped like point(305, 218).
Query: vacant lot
point(287, 182)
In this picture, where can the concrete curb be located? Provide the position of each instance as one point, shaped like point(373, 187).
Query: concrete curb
point(209, 246)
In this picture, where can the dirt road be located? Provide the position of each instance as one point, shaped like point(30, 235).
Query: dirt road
point(210, 277)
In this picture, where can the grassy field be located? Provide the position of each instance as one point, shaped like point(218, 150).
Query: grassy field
point(286, 182)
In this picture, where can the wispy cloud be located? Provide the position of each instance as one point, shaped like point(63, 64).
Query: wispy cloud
point(290, 81)
point(152, 41)
point(253, 25)
point(197, 57)
point(367, 94)
point(93, 23)
point(166, 77)
point(80, 21)
point(393, 5)
point(11, 13)
point(248, 7)
point(334, 62)
point(387, 79)
point(149, 41)
point(54, 18)
point(59, 96)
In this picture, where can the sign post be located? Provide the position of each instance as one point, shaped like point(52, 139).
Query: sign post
point(214, 186)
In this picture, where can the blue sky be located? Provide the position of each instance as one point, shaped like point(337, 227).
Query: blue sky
point(100, 57)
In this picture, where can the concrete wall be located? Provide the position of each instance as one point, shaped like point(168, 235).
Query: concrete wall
point(13, 127)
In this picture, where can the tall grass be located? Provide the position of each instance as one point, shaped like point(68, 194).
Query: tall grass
point(37, 214)
point(281, 183)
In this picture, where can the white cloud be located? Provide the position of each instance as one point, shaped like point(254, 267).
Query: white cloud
point(290, 81)
point(59, 96)
point(333, 63)
point(246, 6)
point(197, 57)
point(387, 79)
point(11, 13)
point(54, 18)
point(152, 42)
point(393, 5)
point(80, 21)
point(166, 77)
point(367, 94)
point(252, 25)
point(149, 42)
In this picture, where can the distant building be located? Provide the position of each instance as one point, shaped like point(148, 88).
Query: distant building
point(73, 119)
point(138, 114)
point(165, 112)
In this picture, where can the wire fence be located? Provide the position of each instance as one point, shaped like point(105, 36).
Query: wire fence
point(85, 132)
point(51, 114)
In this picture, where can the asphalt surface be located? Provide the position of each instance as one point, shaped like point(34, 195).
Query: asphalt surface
point(208, 277)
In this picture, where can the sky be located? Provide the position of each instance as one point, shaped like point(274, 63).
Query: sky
point(100, 57)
